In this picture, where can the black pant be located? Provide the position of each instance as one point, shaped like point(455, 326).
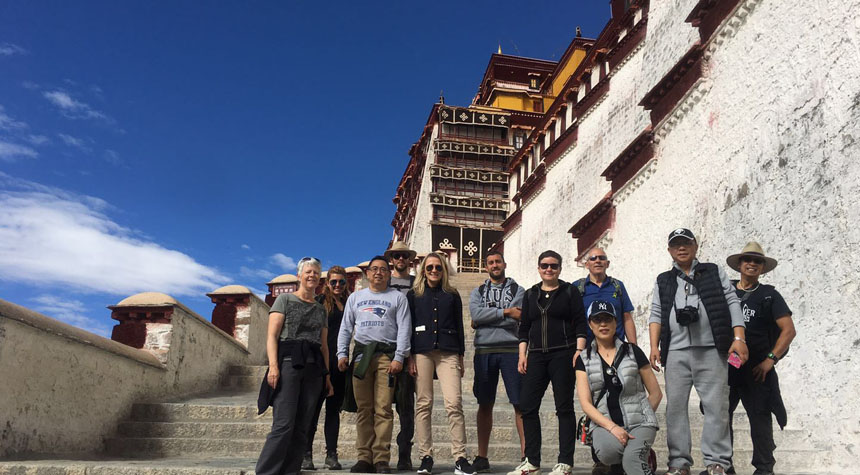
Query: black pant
point(297, 396)
point(756, 400)
point(543, 368)
point(332, 414)
point(404, 404)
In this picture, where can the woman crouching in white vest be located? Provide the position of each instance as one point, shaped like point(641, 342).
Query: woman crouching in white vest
point(611, 381)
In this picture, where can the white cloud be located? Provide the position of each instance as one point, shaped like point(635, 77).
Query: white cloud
point(70, 311)
point(10, 152)
point(10, 49)
point(250, 273)
point(285, 262)
point(29, 85)
point(72, 108)
point(246, 247)
point(113, 158)
point(74, 142)
point(50, 237)
point(8, 123)
point(37, 139)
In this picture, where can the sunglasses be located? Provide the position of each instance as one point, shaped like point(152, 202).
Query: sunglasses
point(306, 259)
point(597, 258)
point(432, 267)
point(399, 255)
point(753, 259)
point(610, 371)
point(336, 282)
point(602, 318)
point(547, 265)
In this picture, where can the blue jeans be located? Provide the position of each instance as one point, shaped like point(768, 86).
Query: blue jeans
point(487, 369)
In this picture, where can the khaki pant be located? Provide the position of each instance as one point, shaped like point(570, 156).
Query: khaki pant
point(447, 368)
point(374, 419)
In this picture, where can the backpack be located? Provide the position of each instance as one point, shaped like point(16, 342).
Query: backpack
point(514, 288)
point(580, 284)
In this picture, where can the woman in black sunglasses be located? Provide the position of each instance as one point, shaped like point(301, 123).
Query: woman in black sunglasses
point(333, 298)
point(438, 346)
point(618, 391)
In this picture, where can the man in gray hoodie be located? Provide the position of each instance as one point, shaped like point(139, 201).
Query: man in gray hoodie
point(495, 307)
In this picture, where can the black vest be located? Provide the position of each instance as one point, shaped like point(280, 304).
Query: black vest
point(707, 279)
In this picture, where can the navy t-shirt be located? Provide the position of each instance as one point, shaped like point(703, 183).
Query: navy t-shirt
point(761, 308)
point(616, 296)
point(613, 392)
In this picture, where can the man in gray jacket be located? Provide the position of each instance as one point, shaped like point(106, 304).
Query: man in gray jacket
point(495, 308)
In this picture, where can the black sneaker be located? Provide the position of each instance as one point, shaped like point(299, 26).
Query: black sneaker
point(308, 462)
point(481, 464)
point(382, 467)
point(362, 467)
point(463, 467)
point(426, 467)
point(331, 462)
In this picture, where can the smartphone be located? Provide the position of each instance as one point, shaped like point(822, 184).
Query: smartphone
point(735, 360)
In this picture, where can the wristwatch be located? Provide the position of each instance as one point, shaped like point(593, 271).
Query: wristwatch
point(773, 357)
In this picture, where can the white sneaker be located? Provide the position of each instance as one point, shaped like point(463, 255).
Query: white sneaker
point(561, 469)
point(525, 468)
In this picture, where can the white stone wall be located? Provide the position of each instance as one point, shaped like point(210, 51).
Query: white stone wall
point(764, 148)
point(421, 238)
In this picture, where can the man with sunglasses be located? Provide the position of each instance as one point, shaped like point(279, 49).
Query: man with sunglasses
point(600, 286)
point(770, 331)
point(695, 324)
point(400, 257)
point(495, 308)
point(379, 318)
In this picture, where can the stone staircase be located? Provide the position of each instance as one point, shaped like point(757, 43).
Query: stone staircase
point(221, 433)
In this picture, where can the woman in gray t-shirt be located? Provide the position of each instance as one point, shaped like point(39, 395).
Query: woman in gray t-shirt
point(297, 348)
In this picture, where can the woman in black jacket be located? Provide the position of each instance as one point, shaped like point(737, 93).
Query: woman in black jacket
point(438, 345)
point(552, 333)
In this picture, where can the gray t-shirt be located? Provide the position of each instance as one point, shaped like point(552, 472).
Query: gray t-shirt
point(302, 320)
point(400, 284)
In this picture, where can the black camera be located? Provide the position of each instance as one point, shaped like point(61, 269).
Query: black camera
point(687, 315)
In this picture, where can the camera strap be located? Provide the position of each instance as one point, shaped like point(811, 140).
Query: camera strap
point(684, 276)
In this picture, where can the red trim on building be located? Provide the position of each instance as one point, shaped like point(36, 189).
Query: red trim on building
point(663, 97)
point(707, 16)
point(591, 98)
point(626, 45)
point(591, 227)
point(556, 148)
point(631, 160)
point(513, 220)
point(532, 184)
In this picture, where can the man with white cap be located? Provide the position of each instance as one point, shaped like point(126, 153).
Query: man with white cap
point(401, 257)
point(769, 332)
point(695, 325)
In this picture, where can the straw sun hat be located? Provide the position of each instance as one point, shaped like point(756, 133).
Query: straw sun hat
point(751, 249)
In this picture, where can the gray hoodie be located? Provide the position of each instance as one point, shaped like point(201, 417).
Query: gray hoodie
point(492, 328)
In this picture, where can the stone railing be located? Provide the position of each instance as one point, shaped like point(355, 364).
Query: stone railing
point(65, 389)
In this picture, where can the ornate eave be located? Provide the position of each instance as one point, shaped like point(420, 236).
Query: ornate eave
point(631, 159)
point(492, 204)
point(594, 224)
point(480, 176)
point(661, 99)
point(462, 115)
point(442, 145)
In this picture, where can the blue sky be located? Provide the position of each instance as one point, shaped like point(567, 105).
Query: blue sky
point(181, 146)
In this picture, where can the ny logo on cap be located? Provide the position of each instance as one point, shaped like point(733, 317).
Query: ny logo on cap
point(601, 306)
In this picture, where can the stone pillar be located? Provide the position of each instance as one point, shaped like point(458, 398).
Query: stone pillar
point(232, 312)
point(145, 322)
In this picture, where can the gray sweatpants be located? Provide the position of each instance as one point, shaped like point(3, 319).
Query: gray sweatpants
point(633, 456)
point(704, 368)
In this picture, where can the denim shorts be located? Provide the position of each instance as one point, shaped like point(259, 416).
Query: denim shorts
point(487, 369)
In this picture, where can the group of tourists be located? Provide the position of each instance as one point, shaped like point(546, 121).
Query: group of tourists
point(722, 337)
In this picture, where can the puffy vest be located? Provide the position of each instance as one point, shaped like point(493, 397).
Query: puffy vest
point(633, 399)
point(710, 289)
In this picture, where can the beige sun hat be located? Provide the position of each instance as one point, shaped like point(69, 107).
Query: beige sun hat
point(400, 246)
point(751, 249)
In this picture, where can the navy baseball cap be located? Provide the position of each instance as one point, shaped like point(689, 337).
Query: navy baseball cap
point(601, 306)
point(682, 233)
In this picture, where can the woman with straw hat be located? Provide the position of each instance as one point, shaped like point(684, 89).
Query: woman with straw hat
point(769, 332)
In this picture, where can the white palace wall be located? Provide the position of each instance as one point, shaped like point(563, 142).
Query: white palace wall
point(763, 147)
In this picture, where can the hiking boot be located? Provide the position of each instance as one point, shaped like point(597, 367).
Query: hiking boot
point(426, 467)
point(382, 467)
point(308, 462)
point(525, 468)
point(716, 469)
point(678, 471)
point(404, 462)
point(561, 469)
point(463, 467)
point(362, 467)
point(331, 462)
point(481, 464)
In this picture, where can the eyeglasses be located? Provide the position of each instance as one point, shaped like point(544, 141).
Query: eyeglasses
point(432, 267)
point(377, 269)
point(547, 265)
point(336, 282)
point(597, 258)
point(753, 259)
point(399, 255)
point(610, 371)
point(602, 318)
point(680, 242)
